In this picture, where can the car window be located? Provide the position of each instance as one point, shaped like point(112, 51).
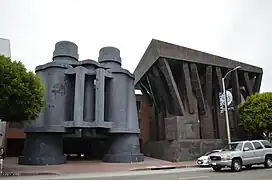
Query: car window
point(266, 144)
point(248, 145)
point(208, 153)
point(257, 145)
point(233, 147)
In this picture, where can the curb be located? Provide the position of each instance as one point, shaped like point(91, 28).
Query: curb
point(147, 168)
point(12, 174)
point(152, 168)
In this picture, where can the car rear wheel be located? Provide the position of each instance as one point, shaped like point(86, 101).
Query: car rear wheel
point(236, 165)
point(268, 162)
point(216, 168)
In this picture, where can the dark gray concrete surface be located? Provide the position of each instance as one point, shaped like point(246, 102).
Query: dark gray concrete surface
point(181, 150)
point(84, 99)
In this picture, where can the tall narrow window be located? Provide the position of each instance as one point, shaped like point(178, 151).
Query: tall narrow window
point(138, 103)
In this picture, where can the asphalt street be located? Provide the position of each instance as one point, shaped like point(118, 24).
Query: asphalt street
point(258, 173)
point(194, 173)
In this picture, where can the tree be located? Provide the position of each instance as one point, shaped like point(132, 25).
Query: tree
point(21, 92)
point(256, 113)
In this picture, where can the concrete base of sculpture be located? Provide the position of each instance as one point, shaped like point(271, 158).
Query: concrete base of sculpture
point(43, 149)
point(181, 150)
point(123, 148)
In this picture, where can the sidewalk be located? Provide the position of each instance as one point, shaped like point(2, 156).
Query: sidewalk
point(74, 167)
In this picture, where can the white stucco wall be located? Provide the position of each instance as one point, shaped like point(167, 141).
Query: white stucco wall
point(5, 47)
point(4, 50)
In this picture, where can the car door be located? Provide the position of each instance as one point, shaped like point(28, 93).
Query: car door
point(267, 147)
point(248, 153)
point(258, 152)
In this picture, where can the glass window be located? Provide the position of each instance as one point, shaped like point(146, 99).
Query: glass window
point(257, 145)
point(138, 103)
point(248, 145)
point(214, 151)
point(234, 147)
point(208, 153)
point(266, 144)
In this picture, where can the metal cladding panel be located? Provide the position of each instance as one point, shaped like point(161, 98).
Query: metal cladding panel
point(56, 97)
point(67, 50)
point(89, 99)
point(132, 114)
point(43, 149)
point(120, 109)
point(123, 148)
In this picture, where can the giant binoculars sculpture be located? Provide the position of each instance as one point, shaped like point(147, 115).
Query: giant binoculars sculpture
point(93, 97)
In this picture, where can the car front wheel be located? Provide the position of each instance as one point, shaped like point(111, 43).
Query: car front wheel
point(268, 162)
point(236, 165)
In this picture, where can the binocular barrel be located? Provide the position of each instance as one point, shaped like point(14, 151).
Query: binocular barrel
point(86, 96)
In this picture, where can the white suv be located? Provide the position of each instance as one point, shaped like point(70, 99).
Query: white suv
point(242, 153)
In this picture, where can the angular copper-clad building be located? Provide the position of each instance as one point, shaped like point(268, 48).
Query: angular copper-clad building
point(182, 87)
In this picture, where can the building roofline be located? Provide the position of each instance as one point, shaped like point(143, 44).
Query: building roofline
point(4, 39)
point(157, 49)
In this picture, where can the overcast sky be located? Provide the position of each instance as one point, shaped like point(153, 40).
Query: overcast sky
point(237, 29)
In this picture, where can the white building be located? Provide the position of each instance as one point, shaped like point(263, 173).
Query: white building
point(5, 47)
point(4, 50)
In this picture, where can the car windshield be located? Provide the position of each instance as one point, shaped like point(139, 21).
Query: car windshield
point(208, 153)
point(234, 147)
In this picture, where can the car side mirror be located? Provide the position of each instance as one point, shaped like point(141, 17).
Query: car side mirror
point(246, 149)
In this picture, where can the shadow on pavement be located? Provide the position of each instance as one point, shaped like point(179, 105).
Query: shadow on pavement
point(228, 170)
